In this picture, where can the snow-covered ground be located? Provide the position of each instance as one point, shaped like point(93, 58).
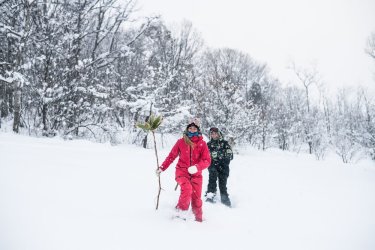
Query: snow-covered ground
point(68, 195)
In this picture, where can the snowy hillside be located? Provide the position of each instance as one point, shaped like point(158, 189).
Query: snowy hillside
point(76, 195)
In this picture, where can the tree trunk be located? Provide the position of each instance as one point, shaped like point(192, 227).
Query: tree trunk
point(17, 110)
point(1, 102)
point(263, 138)
point(44, 117)
point(307, 98)
point(144, 142)
point(2, 90)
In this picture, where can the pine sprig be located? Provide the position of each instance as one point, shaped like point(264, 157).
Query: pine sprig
point(151, 124)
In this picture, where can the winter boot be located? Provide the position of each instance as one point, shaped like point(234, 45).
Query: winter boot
point(199, 219)
point(225, 200)
point(210, 197)
point(180, 214)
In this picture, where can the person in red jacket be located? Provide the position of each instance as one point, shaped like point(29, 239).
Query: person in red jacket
point(194, 157)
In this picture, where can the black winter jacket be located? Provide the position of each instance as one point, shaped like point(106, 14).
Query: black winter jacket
point(221, 153)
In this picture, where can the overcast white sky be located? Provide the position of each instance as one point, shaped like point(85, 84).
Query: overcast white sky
point(331, 34)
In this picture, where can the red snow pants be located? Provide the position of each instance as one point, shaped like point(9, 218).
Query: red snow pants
point(191, 191)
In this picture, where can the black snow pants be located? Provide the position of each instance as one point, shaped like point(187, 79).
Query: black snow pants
point(216, 172)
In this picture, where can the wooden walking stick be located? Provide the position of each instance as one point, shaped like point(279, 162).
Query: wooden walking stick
point(151, 125)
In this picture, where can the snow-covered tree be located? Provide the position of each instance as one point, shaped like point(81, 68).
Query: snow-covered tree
point(345, 127)
point(365, 118)
point(226, 77)
point(15, 33)
point(308, 77)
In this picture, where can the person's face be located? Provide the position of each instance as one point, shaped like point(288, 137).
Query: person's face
point(214, 135)
point(192, 129)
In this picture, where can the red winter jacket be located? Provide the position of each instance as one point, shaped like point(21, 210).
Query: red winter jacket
point(199, 155)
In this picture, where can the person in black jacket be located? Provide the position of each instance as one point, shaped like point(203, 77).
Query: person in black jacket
point(221, 155)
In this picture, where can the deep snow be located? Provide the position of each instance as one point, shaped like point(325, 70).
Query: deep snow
point(57, 194)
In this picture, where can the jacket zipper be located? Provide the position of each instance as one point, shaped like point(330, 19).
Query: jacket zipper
point(190, 155)
point(190, 160)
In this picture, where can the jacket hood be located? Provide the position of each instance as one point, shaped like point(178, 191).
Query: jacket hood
point(221, 137)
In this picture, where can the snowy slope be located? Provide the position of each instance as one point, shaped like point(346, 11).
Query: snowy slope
point(57, 194)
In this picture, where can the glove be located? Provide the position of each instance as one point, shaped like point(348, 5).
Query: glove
point(193, 169)
point(158, 171)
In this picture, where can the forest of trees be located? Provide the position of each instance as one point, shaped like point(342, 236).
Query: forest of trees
point(89, 69)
